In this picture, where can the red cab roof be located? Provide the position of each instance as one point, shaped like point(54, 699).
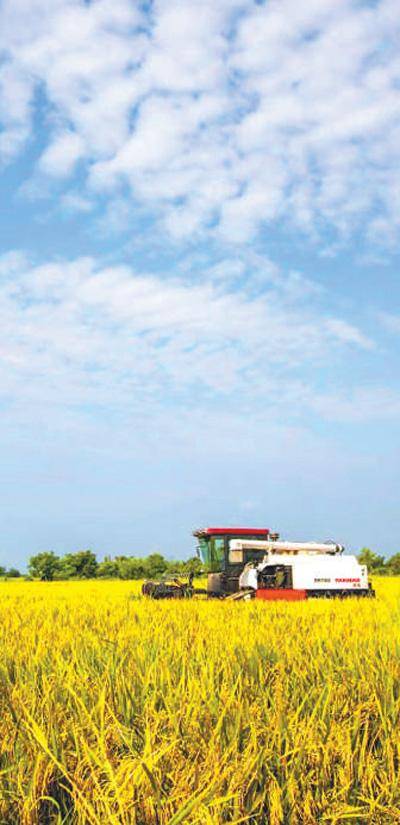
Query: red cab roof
point(232, 531)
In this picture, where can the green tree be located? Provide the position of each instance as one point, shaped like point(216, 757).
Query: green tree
point(371, 559)
point(108, 569)
point(393, 565)
point(44, 566)
point(193, 565)
point(13, 573)
point(66, 569)
point(80, 565)
point(2, 571)
point(131, 568)
point(155, 565)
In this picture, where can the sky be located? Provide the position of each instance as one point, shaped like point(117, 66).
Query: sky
point(199, 272)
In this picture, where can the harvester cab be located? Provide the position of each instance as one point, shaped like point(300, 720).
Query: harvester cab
point(224, 562)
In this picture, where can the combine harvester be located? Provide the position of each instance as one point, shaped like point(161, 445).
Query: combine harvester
point(246, 563)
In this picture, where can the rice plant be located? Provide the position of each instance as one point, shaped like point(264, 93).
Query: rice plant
point(115, 709)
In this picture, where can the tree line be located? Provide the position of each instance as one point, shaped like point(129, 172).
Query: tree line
point(378, 564)
point(48, 566)
point(9, 573)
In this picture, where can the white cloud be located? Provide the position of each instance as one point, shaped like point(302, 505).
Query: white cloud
point(348, 333)
point(61, 156)
point(16, 92)
point(371, 403)
point(84, 333)
point(226, 115)
point(75, 202)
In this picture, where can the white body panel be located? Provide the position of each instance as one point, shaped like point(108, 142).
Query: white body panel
point(319, 572)
point(328, 573)
point(249, 577)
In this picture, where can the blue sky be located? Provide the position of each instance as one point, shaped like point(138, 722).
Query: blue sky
point(199, 289)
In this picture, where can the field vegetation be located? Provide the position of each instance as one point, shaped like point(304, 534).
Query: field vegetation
point(114, 709)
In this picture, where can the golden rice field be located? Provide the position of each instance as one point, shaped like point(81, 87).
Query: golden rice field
point(118, 710)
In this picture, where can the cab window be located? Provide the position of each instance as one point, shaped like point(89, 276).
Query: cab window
point(218, 549)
